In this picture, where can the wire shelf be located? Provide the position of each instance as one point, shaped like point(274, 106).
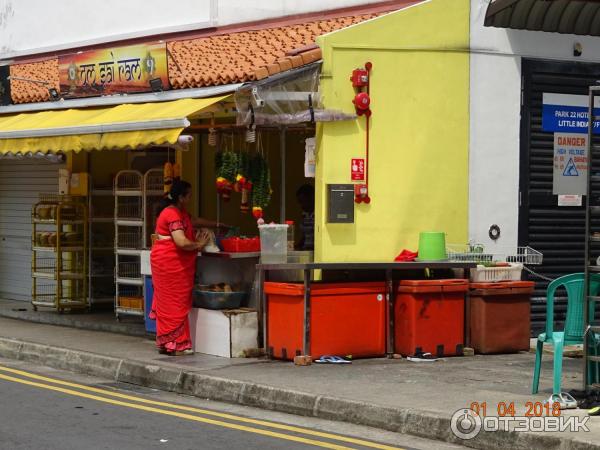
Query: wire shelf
point(128, 180)
point(154, 181)
point(129, 208)
point(479, 253)
point(129, 270)
point(129, 239)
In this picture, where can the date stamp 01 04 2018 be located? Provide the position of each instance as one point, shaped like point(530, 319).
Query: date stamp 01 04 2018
point(467, 423)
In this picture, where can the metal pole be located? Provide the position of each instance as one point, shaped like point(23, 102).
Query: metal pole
point(390, 296)
point(586, 278)
point(306, 341)
point(282, 149)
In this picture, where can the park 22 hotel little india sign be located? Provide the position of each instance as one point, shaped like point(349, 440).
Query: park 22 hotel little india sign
point(113, 70)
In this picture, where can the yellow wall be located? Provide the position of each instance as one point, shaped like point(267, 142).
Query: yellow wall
point(419, 131)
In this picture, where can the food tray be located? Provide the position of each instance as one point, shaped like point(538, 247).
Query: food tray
point(218, 300)
point(239, 245)
point(482, 274)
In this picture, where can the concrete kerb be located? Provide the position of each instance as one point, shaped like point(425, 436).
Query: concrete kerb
point(408, 421)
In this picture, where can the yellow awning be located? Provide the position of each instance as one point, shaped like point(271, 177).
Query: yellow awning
point(125, 126)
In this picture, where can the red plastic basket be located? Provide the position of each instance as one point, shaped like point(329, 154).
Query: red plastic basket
point(241, 245)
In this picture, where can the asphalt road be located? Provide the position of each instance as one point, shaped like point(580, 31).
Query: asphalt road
point(42, 408)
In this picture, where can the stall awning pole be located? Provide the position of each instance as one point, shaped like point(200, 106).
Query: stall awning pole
point(282, 133)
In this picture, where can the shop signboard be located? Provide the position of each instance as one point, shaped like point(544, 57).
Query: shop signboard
point(357, 169)
point(563, 113)
point(570, 164)
point(116, 70)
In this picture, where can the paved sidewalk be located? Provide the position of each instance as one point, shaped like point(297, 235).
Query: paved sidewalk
point(397, 395)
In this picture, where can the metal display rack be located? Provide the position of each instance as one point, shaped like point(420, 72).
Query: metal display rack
point(101, 244)
point(60, 253)
point(591, 358)
point(480, 254)
point(129, 222)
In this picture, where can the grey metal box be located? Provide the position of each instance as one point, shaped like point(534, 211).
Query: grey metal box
point(340, 205)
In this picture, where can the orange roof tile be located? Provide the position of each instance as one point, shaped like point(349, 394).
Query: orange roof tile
point(23, 91)
point(248, 55)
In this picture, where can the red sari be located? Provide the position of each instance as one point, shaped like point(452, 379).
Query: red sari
point(173, 271)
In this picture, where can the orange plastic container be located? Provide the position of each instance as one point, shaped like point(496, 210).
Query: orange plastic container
point(346, 319)
point(429, 317)
point(500, 316)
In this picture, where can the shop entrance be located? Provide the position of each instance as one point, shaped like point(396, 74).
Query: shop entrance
point(556, 231)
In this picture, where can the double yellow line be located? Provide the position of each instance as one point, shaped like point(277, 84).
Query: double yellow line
point(183, 412)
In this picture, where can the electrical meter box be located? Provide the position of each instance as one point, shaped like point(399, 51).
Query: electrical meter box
point(340, 205)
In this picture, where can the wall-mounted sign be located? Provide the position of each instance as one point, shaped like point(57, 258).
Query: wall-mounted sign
point(567, 113)
point(570, 200)
point(357, 169)
point(570, 164)
point(113, 70)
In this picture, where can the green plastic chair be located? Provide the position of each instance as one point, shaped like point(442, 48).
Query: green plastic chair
point(574, 327)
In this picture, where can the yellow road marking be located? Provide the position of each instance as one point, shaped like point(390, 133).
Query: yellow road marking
point(178, 414)
point(203, 411)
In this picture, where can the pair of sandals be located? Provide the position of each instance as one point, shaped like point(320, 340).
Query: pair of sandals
point(164, 351)
point(329, 359)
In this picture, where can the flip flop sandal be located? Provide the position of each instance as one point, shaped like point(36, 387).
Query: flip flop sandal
point(594, 411)
point(423, 357)
point(565, 400)
point(328, 359)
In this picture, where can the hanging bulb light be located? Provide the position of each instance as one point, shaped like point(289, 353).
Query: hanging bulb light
point(52, 157)
point(9, 156)
point(29, 155)
point(251, 134)
point(39, 155)
point(19, 155)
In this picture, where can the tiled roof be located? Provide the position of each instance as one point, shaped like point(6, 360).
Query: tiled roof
point(229, 57)
point(29, 91)
point(248, 55)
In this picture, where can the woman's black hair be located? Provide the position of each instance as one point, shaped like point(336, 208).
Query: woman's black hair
point(179, 188)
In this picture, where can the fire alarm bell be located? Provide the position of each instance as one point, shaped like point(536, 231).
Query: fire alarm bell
point(361, 102)
point(360, 77)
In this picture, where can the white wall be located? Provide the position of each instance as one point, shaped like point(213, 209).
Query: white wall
point(34, 26)
point(496, 56)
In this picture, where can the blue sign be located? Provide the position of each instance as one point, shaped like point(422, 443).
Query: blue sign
point(567, 114)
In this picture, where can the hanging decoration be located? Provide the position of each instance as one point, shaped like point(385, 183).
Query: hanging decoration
point(226, 164)
point(243, 183)
point(260, 175)
point(167, 177)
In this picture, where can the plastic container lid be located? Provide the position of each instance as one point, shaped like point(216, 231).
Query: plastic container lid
point(274, 226)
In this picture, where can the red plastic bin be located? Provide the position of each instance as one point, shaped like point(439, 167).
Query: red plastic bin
point(239, 245)
point(346, 319)
point(429, 317)
point(500, 316)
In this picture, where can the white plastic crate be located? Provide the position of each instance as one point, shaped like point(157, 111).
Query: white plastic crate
point(482, 274)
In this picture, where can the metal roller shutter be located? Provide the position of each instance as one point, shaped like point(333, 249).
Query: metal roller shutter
point(558, 232)
point(21, 182)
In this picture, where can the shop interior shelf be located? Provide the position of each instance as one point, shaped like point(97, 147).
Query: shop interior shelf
point(129, 239)
point(129, 269)
point(129, 222)
point(54, 249)
point(55, 222)
point(130, 311)
point(54, 275)
point(121, 193)
point(130, 281)
point(128, 251)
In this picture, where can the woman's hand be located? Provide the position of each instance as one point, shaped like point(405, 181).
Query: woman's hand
point(202, 238)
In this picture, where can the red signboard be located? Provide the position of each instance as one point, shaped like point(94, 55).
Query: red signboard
point(113, 70)
point(358, 169)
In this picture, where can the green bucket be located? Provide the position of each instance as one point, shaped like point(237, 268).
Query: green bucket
point(432, 246)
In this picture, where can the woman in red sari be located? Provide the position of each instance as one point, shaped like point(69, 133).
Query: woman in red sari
point(173, 261)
